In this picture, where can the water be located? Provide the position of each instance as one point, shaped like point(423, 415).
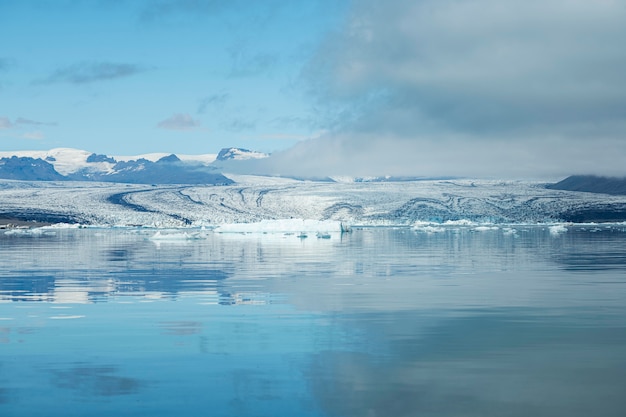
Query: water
point(377, 322)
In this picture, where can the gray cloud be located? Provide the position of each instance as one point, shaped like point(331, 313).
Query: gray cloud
point(179, 121)
point(29, 122)
point(470, 87)
point(239, 124)
point(5, 123)
point(214, 101)
point(89, 72)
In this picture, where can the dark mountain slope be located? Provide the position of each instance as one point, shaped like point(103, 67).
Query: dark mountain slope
point(28, 169)
point(592, 184)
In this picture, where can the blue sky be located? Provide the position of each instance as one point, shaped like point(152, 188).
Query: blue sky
point(143, 76)
point(340, 87)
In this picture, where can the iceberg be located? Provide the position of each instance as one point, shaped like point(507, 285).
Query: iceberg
point(557, 229)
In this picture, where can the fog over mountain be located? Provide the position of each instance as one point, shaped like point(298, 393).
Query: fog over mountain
point(479, 88)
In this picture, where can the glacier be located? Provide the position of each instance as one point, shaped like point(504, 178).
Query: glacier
point(253, 199)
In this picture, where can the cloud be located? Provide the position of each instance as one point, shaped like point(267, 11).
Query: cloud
point(89, 72)
point(214, 101)
point(5, 123)
point(34, 135)
point(244, 64)
point(29, 122)
point(179, 121)
point(239, 124)
point(470, 87)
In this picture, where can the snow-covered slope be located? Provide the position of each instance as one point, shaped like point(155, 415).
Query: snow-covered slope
point(239, 154)
point(204, 159)
point(65, 160)
point(258, 198)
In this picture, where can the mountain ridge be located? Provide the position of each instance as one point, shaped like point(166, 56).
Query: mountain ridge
point(591, 184)
point(68, 164)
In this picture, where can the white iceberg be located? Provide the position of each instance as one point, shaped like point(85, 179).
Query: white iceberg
point(557, 229)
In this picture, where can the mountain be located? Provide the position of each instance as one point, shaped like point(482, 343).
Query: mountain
point(167, 170)
point(591, 184)
point(28, 169)
point(238, 154)
point(79, 165)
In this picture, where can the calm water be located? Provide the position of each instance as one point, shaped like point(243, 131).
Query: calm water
point(378, 322)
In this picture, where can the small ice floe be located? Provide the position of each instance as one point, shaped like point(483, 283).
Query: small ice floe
point(485, 228)
point(285, 226)
point(323, 235)
point(509, 231)
point(462, 222)
point(428, 227)
point(557, 229)
point(39, 231)
point(66, 317)
point(161, 237)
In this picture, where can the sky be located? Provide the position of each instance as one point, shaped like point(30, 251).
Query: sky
point(489, 88)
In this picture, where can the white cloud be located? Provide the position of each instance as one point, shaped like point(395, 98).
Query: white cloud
point(179, 121)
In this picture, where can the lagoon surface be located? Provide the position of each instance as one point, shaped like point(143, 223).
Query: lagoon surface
point(454, 321)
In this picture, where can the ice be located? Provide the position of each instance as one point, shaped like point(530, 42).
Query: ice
point(255, 202)
point(284, 226)
point(485, 228)
point(430, 229)
point(163, 236)
point(557, 229)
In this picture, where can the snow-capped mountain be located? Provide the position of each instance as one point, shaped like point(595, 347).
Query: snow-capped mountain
point(239, 154)
point(80, 165)
point(68, 161)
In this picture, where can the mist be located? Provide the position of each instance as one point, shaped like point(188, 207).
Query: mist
point(481, 88)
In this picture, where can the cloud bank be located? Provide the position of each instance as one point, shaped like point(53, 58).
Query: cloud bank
point(468, 87)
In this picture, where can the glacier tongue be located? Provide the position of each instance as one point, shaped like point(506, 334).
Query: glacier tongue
point(258, 199)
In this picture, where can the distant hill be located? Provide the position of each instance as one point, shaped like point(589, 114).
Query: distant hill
point(591, 184)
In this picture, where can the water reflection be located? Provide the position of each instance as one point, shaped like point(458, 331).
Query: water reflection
point(466, 321)
point(477, 366)
point(91, 380)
